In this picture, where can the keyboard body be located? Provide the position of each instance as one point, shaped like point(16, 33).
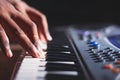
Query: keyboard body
point(74, 54)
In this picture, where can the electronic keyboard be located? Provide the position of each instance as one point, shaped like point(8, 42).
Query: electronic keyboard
point(74, 54)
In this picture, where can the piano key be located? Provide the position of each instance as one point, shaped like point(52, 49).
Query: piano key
point(57, 49)
point(33, 60)
point(60, 67)
point(59, 75)
point(58, 46)
point(43, 61)
point(62, 62)
point(68, 73)
point(60, 55)
point(26, 74)
point(59, 52)
point(57, 58)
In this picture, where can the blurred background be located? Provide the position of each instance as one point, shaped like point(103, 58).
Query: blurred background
point(67, 12)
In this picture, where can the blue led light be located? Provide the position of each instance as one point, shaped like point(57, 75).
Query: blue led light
point(93, 43)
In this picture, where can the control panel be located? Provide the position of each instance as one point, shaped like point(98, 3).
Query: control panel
point(99, 50)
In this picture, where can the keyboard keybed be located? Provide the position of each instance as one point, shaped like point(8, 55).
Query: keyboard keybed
point(60, 63)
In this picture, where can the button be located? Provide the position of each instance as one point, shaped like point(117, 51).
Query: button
point(81, 36)
point(86, 33)
point(90, 49)
point(116, 70)
point(96, 46)
point(110, 55)
point(93, 42)
point(98, 34)
point(111, 50)
point(96, 61)
point(116, 52)
point(92, 52)
point(108, 66)
point(99, 60)
point(108, 48)
point(118, 62)
point(95, 55)
point(111, 60)
point(100, 51)
point(90, 37)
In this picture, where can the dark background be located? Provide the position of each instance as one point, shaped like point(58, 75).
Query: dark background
point(67, 12)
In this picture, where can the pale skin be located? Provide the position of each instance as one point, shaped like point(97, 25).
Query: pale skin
point(23, 24)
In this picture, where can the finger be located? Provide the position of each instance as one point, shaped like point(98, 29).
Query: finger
point(27, 25)
point(30, 28)
point(20, 36)
point(5, 46)
point(22, 9)
point(41, 22)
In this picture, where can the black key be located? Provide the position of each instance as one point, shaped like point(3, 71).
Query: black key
point(60, 52)
point(60, 67)
point(60, 55)
point(58, 46)
point(61, 77)
point(57, 58)
point(57, 49)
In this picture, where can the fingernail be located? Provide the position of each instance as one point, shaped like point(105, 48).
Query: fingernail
point(41, 53)
point(49, 36)
point(9, 53)
point(43, 45)
point(39, 44)
point(40, 48)
point(34, 52)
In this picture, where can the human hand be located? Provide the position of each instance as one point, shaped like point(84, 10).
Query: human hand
point(24, 25)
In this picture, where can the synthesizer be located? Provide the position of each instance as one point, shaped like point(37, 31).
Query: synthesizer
point(74, 54)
